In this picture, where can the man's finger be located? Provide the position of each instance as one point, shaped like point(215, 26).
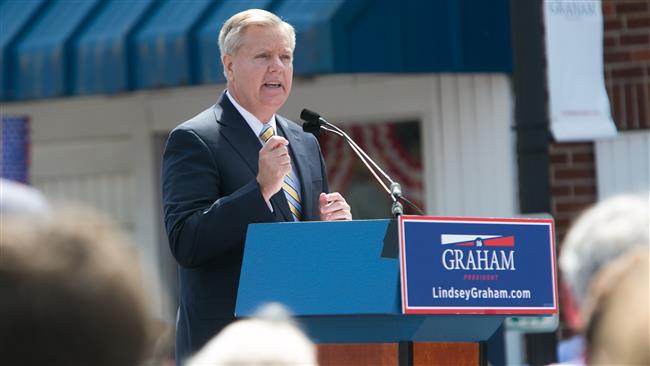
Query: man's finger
point(328, 199)
point(285, 160)
point(322, 199)
point(334, 196)
point(276, 141)
point(338, 215)
point(335, 206)
point(280, 151)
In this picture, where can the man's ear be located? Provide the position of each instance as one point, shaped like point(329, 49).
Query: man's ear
point(226, 61)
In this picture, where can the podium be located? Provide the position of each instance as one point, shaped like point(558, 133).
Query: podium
point(341, 281)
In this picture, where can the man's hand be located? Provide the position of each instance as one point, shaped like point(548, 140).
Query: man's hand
point(274, 163)
point(333, 207)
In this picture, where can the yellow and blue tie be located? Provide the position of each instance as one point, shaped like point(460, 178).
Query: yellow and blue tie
point(289, 186)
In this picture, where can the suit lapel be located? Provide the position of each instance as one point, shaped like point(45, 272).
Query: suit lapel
point(235, 129)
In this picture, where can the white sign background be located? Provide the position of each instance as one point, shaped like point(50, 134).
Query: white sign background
point(579, 107)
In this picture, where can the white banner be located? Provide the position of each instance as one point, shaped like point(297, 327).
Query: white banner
point(579, 107)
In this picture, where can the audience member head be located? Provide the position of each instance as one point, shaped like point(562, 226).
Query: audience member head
point(601, 234)
point(617, 309)
point(17, 199)
point(269, 338)
point(71, 293)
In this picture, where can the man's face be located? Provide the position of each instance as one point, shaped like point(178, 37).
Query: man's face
point(260, 71)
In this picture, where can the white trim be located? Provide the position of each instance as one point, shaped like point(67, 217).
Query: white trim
point(623, 163)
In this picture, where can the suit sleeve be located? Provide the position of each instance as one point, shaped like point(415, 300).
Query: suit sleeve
point(201, 223)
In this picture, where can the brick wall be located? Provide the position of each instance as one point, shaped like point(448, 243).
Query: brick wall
point(627, 62)
point(627, 77)
point(573, 182)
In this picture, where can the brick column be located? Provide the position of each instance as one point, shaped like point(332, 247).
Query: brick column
point(627, 78)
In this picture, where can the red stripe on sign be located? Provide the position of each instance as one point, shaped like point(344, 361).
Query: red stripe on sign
point(506, 241)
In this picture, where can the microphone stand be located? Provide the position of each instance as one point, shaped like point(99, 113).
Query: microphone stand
point(395, 190)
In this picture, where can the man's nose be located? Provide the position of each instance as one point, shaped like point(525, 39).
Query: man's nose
point(275, 64)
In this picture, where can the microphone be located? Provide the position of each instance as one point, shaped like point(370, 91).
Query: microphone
point(311, 117)
point(314, 123)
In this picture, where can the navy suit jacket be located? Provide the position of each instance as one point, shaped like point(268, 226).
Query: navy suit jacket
point(210, 195)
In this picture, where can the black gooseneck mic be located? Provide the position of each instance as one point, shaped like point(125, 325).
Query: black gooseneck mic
point(314, 123)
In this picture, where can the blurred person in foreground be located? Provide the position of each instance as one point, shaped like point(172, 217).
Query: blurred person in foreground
point(162, 344)
point(70, 293)
point(601, 234)
point(234, 164)
point(617, 311)
point(270, 338)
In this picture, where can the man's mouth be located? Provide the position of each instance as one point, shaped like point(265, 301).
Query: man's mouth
point(273, 85)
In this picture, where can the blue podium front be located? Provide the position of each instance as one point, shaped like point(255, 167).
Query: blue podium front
point(341, 281)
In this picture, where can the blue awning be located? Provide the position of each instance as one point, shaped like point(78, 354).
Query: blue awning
point(102, 52)
point(42, 58)
point(77, 47)
point(14, 17)
point(163, 47)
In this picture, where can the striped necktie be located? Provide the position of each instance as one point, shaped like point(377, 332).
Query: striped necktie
point(289, 186)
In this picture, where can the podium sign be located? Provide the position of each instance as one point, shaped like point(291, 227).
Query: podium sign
point(467, 265)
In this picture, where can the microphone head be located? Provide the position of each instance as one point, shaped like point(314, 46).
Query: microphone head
point(312, 128)
point(309, 116)
point(396, 190)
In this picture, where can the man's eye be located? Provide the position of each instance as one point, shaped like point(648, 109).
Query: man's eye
point(262, 55)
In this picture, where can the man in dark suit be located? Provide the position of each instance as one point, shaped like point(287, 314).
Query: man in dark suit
point(225, 168)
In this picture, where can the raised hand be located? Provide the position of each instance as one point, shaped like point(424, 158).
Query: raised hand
point(274, 163)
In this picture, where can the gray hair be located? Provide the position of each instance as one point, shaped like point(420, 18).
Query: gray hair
point(269, 338)
point(230, 36)
point(601, 234)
